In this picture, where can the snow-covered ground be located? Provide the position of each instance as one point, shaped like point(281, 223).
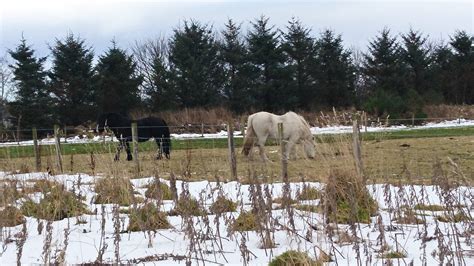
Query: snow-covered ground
point(309, 236)
point(223, 134)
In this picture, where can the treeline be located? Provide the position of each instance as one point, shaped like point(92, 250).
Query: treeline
point(263, 69)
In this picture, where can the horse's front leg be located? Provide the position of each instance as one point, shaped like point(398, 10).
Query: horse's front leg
point(129, 153)
point(117, 153)
point(159, 143)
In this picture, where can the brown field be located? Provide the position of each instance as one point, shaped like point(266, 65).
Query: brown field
point(384, 160)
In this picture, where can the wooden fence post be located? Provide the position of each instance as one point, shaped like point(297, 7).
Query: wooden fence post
point(202, 130)
point(232, 159)
point(135, 147)
point(36, 150)
point(59, 159)
point(242, 127)
point(357, 148)
point(284, 160)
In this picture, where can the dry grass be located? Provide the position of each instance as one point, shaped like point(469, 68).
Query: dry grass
point(158, 190)
point(147, 218)
point(293, 257)
point(222, 204)
point(11, 216)
point(382, 159)
point(246, 221)
point(114, 190)
point(56, 204)
point(443, 110)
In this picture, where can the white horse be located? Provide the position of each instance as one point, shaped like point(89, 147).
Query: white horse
point(262, 125)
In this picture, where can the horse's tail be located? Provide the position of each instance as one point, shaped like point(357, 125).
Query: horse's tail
point(249, 137)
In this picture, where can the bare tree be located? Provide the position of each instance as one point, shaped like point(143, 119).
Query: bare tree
point(145, 53)
point(6, 85)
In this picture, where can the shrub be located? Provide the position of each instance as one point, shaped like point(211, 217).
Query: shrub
point(56, 204)
point(158, 190)
point(114, 190)
point(11, 216)
point(147, 218)
point(223, 204)
point(292, 257)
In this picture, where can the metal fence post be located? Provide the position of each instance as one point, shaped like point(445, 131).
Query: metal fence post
point(36, 150)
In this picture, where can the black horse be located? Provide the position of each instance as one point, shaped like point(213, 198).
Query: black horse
point(149, 127)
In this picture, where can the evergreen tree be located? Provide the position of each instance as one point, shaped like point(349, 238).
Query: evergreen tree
point(299, 48)
point(334, 71)
point(418, 60)
point(117, 82)
point(196, 75)
point(32, 104)
point(441, 71)
point(161, 95)
point(271, 78)
point(237, 85)
point(384, 71)
point(463, 64)
point(72, 81)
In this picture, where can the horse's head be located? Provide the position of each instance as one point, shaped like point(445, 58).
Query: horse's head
point(310, 147)
point(107, 121)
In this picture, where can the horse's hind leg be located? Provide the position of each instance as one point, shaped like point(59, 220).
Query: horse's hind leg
point(117, 153)
point(129, 153)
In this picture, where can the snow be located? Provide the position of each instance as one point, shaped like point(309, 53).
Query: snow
point(337, 129)
point(84, 239)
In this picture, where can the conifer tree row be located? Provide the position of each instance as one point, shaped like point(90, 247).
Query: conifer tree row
point(257, 68)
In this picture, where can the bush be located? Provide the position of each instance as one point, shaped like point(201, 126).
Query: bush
point(56, 204)
point(292, 257)
point(223, 204)
point(114, 190)
point(11, 216)
point(158, 190)
point(147, 218)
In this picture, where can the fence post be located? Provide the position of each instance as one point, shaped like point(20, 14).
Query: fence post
point(65, 134)
point(135, 147)
point(284, 160)
point(232, 159)
point(59, 159)
point(242, 127)
point(357, 148)
point(202, 130)
point(412, 119)
point(36, 150)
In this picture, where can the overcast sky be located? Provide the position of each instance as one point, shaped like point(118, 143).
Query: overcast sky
point(98, 21)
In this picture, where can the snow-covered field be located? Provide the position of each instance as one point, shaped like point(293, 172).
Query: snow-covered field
point(414, 240)
point(223, 134)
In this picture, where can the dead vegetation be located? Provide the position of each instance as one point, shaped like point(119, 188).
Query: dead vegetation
point(114, 190)
point(147, 218)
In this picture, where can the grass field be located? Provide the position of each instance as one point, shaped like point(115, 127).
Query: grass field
point(386, 156)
